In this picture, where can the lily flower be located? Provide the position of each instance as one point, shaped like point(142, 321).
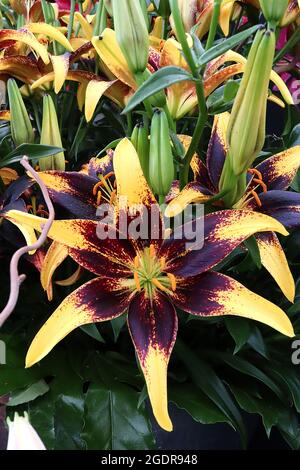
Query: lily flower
point(266, 193)
point(22, 435)
point(148, 278)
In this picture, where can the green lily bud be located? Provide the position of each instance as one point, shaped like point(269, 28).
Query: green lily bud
point(108, 6)
point(50, 135)
point(163, 8)
point(140, 140)
point(21, 128)
point(161, 165)
point(274, 10)
point(246, 129)
point(132, 33)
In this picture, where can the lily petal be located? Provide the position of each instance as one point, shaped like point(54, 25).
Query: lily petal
point(213, 294)
point(109, 51)
point(21, 67)
point(28, 38)
point(192, 193)
point(280, 170)
point(274, 260)
point(108, 256)
point(51, 31)
point(153, 328)
point(190, 254)
point(96, 301)
point(61, 67)
point(217, 148)
point(73, 191)
point(94, 92)
point(55, 255)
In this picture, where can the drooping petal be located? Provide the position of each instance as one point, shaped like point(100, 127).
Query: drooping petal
point(61, 67)
point(153, 328)
point(201, 244)
point(94, 92)
point(51, 31)
point(27, 38)
point(274, 260)
point(213, 294)
point(95, 246)
point(21, 67)
point(55, 255)
point(282, 205)
point(109, 51)
point(73, 191)
point(192, 193)
point(96, 301)
point(101, 166)
point(8, 175)
point(279, 170)
point(217, 148)
point(87, 29)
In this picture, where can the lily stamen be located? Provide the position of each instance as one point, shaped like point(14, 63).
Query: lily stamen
point(261, 183)
point(152, 251)
point(256, 197)
point(172, 280)
point(162, 263)
point(254, 171)
point(137, 281)
point(159, 285)
point(137, 262)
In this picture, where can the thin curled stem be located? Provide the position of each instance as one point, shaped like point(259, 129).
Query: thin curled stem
point(16, 279)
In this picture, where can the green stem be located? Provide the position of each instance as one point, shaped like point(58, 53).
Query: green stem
point(36, 115)
point(294, 39)
point(171, 121)
point(140, 80)
point(100, 21)
point(71, 19)
point(76, 135)
point(129, 124)
point(200, 125)
point(213, 25)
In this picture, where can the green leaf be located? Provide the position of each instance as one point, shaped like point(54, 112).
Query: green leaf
point(230, 90)
point(93, 331)
point(211, 385)
point(32, 151)
point(29, 394)
point(252, 246)
point(112, 420)
point(161, 79)
point(226, 45)
point(257, 342)
point(245, 367)
point(290, 377)
point(240, 331)
point(117, 325)
point(196, 404)
point(294, 140)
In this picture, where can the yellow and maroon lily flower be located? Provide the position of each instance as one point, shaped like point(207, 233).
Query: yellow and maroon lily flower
point(266, 193)
point(148, 278)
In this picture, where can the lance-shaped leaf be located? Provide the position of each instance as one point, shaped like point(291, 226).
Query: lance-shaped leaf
point(28, 38)
point(161, 79)
point(31, 150)
point(153, 328)
point(97, 300)
point(55, 255)
point(213, 294)
point(190, 254)
point(110, 53)
point(274, 260)
point(280, 170)
point(60, 67)
point(51, 31)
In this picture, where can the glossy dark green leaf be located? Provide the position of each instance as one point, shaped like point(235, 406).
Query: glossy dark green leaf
point(112, 420)
point(117, 325)
point(28, 394)
point(226, 45)
point(32, 151)
point(93, 332)
point(256, 341)
point(252, 246)
point(290, 377)
point(240, 331)
point(196, 404)
point(161, 79)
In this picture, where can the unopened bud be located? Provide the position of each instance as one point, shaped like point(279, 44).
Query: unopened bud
point(50, 135)
point(21, 128)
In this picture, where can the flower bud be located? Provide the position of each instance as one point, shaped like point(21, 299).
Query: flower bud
point(22, 435)
point(246, 129)
point(132, 33)
point(50, 135)
point(273, 10)
point(21, 128)
point(161, 165)
point(189, 11)
point(140, 140)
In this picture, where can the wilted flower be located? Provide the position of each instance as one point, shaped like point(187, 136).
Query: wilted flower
point(22, 435)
